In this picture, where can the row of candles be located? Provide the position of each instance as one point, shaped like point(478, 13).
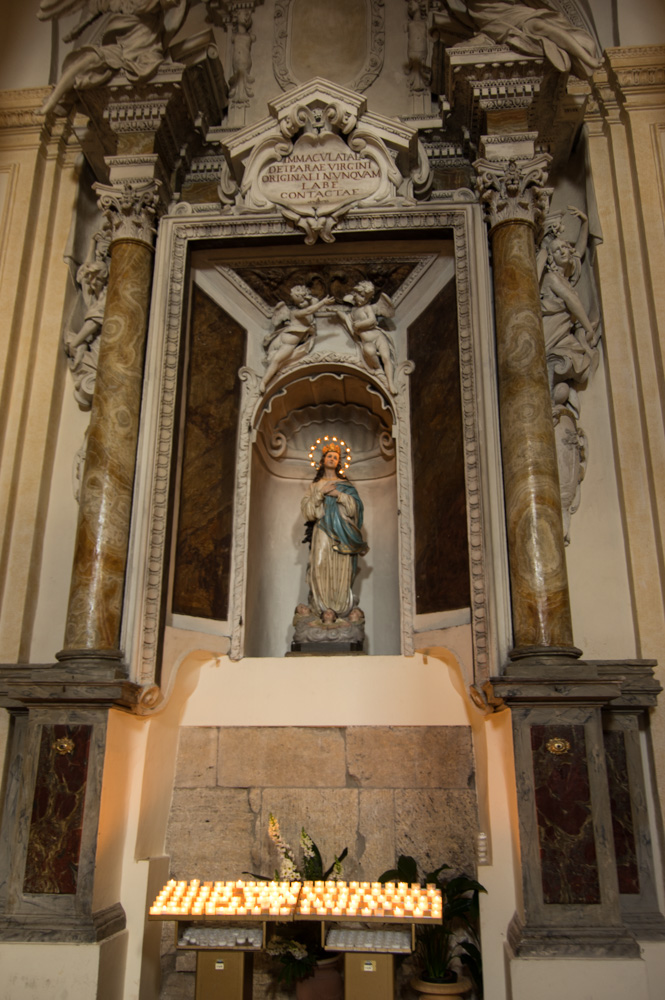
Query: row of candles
point(288, 899)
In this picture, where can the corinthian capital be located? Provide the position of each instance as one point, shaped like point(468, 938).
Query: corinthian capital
point(512, 191)
point(130, 210)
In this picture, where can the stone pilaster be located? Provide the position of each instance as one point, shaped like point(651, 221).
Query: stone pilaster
point(516, 200)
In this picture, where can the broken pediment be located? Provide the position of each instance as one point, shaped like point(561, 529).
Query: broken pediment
point(317, 155)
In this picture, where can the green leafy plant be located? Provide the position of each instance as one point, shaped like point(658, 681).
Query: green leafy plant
point(296, 959)
point(457, 936)
point(297, 955)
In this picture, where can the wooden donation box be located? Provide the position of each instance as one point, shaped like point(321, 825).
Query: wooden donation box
point(225, 922)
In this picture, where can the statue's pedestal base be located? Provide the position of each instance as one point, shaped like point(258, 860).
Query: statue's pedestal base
point(326, 649)
point(326, 634)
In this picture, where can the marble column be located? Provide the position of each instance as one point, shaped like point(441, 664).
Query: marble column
point(516, 199)
point(100, 554)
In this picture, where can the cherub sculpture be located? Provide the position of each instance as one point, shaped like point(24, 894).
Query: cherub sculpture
point(82, 345)
point(293, 331)
point(571, 335)
point(363, 325)
point(128, 35)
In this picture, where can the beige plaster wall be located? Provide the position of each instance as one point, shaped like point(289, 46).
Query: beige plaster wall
point(626, 149)
point(40, 173)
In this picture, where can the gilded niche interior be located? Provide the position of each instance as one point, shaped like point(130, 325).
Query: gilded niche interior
point(408, 461)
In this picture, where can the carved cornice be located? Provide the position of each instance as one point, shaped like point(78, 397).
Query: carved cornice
point(130, 210)
point(169, 115)
point(491, 90)
point(20, 108)
point(637, 74)
point(512, 192)
point(22, 126)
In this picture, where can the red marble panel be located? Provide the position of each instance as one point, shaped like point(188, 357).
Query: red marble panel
point(622, 813)
point(569, 867)
point(437, 449)
point(54, 840)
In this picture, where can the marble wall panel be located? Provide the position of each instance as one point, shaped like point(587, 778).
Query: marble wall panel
point(54, 840)
point(197, 757)
point(437, 825)
point(410, 756)
point(378, 790)
point(569, 866)
point(205, 516)
point(281, 757)
point(330, 816)
point(213, 833)
point(375, 849)
point(439, 497)
point(625, 847)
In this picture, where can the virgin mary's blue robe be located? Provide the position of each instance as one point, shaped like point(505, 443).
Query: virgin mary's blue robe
point(345, 535)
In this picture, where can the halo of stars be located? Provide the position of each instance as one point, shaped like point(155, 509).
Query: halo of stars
point(328, 439)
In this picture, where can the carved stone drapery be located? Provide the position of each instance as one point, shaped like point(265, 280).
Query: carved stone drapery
point(515, 199)
point(95, 600)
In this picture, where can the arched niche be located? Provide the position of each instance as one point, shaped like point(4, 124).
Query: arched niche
point(341, 401)
point(227, 262)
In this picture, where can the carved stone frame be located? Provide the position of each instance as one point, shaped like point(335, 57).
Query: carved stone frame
point(369, 72)
point(183, 230)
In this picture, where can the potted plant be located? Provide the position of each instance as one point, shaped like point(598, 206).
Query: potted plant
point(301, 961)
point(454, 941)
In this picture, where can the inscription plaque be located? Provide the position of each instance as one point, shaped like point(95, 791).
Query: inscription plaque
point(321, 172)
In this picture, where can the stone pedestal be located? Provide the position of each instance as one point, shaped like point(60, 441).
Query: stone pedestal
point(569, 877)
point(49, 827)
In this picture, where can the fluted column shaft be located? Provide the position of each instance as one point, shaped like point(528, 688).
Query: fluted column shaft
point(100, 553)
point(539, 582)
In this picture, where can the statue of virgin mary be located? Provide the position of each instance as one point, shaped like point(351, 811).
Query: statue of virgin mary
point(333, 511)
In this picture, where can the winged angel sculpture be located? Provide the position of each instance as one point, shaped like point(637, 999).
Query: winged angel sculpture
point(121, 35)
point(362, 324)
point(534, 27)
point(293, 331)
